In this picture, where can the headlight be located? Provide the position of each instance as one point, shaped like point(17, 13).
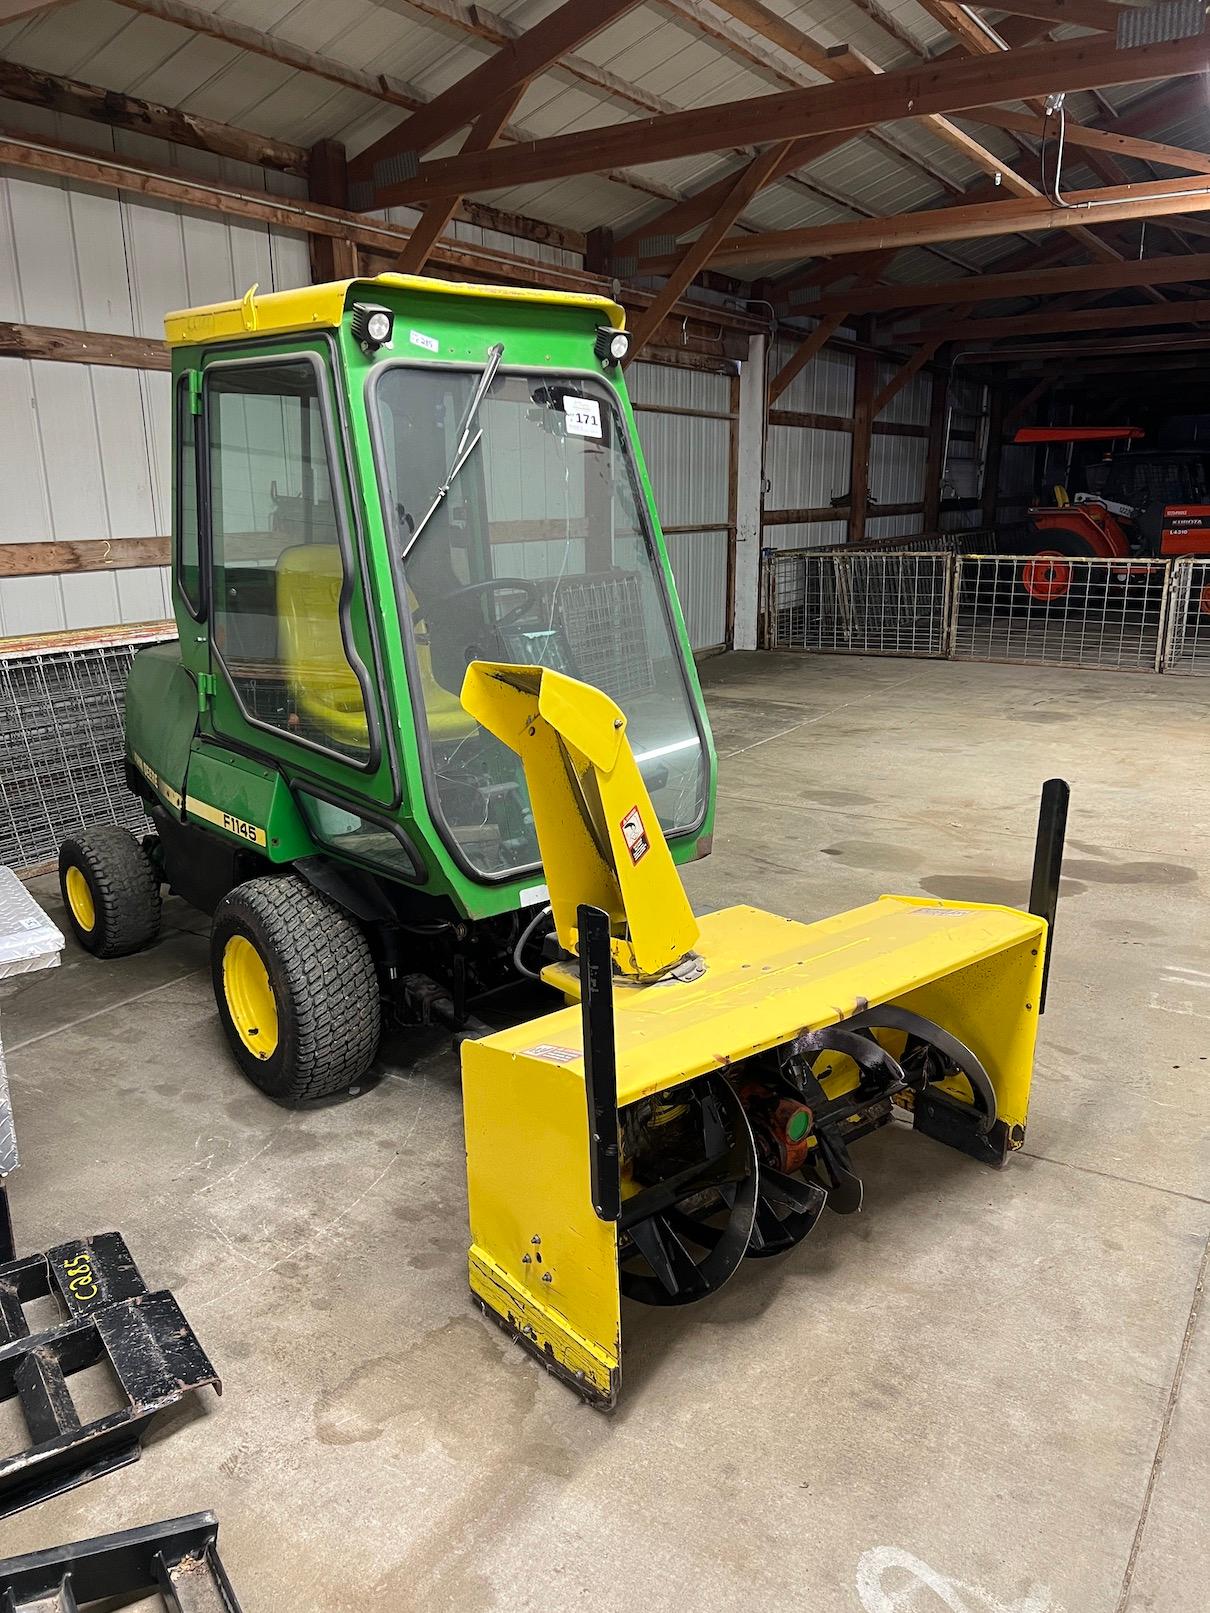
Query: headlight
point(372, 326)
point(611, 346)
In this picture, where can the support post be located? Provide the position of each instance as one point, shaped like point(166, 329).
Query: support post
point(991, 457)
point(332, 257)
point(934, 466)
point(863, 420)
point(749, 498)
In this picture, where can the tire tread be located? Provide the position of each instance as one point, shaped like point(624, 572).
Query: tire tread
point(331, 982)
point(124, 884)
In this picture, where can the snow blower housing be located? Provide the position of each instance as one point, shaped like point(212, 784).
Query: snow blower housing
point(432, 731)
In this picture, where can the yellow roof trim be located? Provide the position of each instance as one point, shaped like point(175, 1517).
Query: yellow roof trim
point(322, 307)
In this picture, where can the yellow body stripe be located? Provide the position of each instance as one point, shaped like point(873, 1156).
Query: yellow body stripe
point(239, 827)
point(173, 797)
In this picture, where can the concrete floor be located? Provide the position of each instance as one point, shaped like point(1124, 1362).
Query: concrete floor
point(989, 1393)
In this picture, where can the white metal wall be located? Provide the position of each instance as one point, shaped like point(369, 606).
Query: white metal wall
point(84, 449)
point(808, 466)
point(689, 461)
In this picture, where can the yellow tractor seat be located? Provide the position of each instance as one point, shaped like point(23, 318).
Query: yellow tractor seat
point(322, 684)
point(446, 716)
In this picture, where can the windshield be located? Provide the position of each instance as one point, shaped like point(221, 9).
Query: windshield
point(536, 554)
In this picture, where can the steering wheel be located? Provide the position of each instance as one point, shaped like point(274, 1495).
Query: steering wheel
point(490, 585)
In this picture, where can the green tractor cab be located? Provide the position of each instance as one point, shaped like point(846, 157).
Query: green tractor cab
point(376, 483)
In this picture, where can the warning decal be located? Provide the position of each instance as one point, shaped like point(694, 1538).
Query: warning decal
point(635, 836)
point(553, 1052)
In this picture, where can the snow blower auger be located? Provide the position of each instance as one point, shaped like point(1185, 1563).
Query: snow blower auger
point(697, 1107)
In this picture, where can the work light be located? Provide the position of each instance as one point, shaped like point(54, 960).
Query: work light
point(372, 326)
point(611, 346)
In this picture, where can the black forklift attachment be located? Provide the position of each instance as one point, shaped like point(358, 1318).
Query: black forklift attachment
point(105, 1317)
point(179, 1559)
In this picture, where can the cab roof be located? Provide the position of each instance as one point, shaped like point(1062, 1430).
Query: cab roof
point(322, 307)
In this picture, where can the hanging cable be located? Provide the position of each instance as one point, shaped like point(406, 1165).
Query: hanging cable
point(522, 968)
point(1054, 108)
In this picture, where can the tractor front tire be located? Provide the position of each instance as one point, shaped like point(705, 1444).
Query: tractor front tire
point(1049, 579)
point(296, 989)
point(110, 890)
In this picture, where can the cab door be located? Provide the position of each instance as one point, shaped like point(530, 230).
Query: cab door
point(291, 650)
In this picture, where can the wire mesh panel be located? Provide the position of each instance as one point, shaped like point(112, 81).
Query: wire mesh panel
point(924, 543)
point(61, 747)
point(1188, 648)
point(603, 619)
point(1061, 610)
point(860, 602)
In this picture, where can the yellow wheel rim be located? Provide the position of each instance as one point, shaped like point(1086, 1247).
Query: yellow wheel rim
point(79, 900)
point(250, 999)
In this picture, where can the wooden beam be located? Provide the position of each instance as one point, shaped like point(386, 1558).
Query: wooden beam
point(702, 324)
point(1169, 104)
point(971, 32)
point(686, 215)
point(934, 468)
point(512, 67)
point(755, 177)
point(903, 375)
point(1100, 15)
point(382, 87)
point(1025, 283)
point(79, 100)
point(885, 19)
point(944, 87)
point(309, 218)
point(93, 554)
point(333, 257)
point(82, 347)
point(993, 448)
point(803, 354)
point(864, 382)
point(1025, 403)
point(478, 22)
point(1090, 354)
point(1022, 215)
point(379, 86)
point(1076, 319)
point(1086, 135)
point(976, 36)
point(843, 62)
point(1166, 105)
point(484, 132)
point(829, 62)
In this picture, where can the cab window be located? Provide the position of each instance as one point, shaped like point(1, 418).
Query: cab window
point(280, 578)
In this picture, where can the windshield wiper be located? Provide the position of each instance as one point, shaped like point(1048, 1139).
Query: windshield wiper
point(466, 445)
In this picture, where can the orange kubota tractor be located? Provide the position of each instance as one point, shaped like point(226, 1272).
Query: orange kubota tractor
point(1135, 504)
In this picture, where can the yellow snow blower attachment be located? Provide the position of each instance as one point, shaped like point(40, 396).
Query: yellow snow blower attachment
point(697, 1104)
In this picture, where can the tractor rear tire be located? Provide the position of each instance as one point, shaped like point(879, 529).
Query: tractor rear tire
point(296, 988)
point(1036, 591)
point(110, 890)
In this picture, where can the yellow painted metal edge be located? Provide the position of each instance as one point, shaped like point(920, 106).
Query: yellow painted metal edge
point(542, 1329)
point(322, 307)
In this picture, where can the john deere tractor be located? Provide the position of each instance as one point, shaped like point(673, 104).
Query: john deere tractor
point(431, 732)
